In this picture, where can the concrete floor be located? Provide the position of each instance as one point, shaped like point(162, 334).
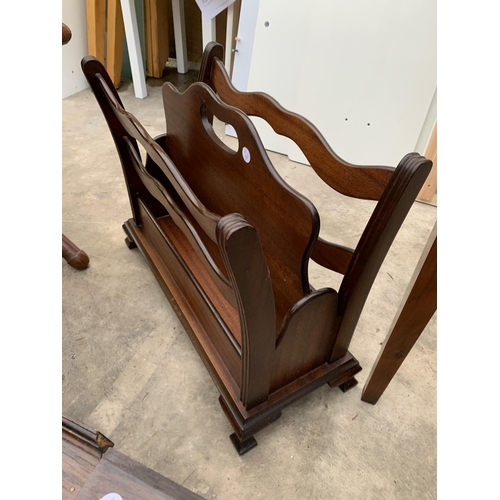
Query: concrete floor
point(130, 371)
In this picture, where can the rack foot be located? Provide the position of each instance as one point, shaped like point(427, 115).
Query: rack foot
point(243, 446)
point(130, 243)
point(348, 384)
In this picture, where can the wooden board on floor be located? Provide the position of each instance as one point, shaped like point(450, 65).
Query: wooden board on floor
point(90, 471)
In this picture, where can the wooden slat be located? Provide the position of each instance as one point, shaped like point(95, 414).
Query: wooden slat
point(96, 28)
point(115, 42)
point(148, 36)
point(428, 192)
point(157, 41)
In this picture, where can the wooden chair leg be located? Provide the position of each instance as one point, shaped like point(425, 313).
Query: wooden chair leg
point(75, 257)
point(417, 308)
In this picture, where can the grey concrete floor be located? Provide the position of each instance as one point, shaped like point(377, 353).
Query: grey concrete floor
point(130, 371)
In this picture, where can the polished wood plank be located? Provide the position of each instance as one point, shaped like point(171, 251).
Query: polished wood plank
point(157, 39)
point(77, 465)
point(428, 192)
point(116, 473)
point(96, 28)
point(91, 468)
point(115, 41)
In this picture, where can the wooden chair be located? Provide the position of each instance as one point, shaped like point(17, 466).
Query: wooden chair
point(229, 241)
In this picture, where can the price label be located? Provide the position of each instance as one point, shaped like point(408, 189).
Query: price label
point(246, 154)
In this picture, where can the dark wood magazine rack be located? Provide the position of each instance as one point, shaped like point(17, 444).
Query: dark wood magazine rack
point(229, 241)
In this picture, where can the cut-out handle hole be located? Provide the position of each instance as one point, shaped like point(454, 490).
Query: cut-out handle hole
point(229, 144)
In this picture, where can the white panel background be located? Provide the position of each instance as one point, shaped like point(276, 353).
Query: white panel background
point(368, 61)
point(74, 15)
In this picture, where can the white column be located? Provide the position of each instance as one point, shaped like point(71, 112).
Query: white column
point(180, 35)
point(134, 48)
point(229, 38)
point(208, 30)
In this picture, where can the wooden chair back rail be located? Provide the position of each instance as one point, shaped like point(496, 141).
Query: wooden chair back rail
point(364, 182)
point(225, 183)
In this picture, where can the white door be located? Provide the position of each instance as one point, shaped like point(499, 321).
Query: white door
point(363, 71)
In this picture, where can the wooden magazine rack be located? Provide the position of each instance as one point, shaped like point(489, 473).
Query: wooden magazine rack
point(229, 241)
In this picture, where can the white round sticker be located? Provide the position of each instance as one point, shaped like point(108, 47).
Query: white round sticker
point(112, 496)
point(246, 154)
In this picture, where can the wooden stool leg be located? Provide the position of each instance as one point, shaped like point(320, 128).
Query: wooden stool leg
point(75, 257)
point(418, 307)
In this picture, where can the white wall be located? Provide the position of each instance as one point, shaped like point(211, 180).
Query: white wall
point(74, 15)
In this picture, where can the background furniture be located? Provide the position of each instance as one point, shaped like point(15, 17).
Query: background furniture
point(229, 241)
point(121, 20)
point(110, 22)
point(73, 255)
point(417, 308)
